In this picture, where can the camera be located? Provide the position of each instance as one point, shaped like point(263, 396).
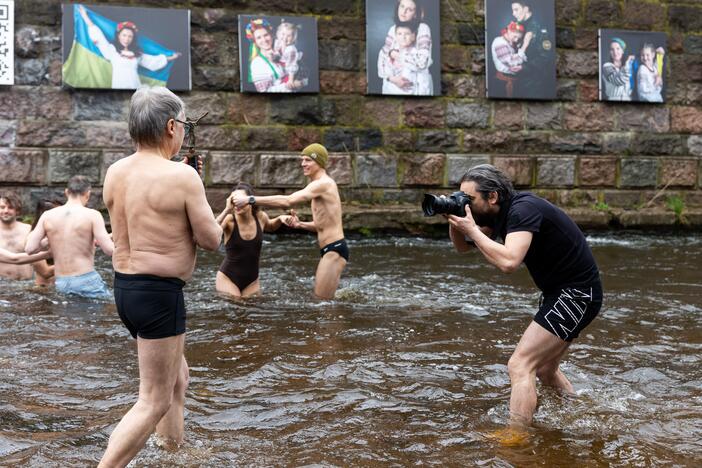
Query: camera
point(454, 204)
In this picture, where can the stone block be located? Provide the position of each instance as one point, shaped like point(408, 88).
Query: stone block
point(338, 27)
point(437, 140)
point(679, 172)
point(589, 91)
point(519, 169)
point(324, 7)
point(8, 133)
point(508, 115)
point(643, 15)
point(544, 116)
point(455, 59)
point(213, 78)
point(686, 68)
point(578, 64)
point(381, 112)
point(110, 157)
point(469, 86)
point(622, 199)
point(34, 71)
point(694, 145)
point(230, 168)
point(423, 169)
point(458, 165)
point(107, 135)
point(215, 104)
point(349, 140)
point(27, 42)
point(399, 140)
point(248, 109)
point(601, 12)
point(586, 39)
point(37, 12)
point(471, 34)
point(616, 143)
point(503, 141)
point(281, 170)
point(638, 172)
point(373, 170)
point(597, 171)
point(64, 164)
point(214, 48)
point(640, 218)
point(424, 113)
point(643, 119)
point(658, 145)
point(339, 168)
point(685, 17)
point(22, 166)
point(555, 172)
point(565, 38)
point(348, 110)
point(588, 117)
point(339, 55)
point(300, 137)
point(217, 137)
point(478, 61)
point(263, 138)
point(35, 102)
point(692, 44)
point(50, 133)
point(467, 115)
point(582, 143)
point(101, 105)
point(686, 119)
point(341, 82)
point(566, 90)
point(302, 110)
point(568, 12)
point(214, 19)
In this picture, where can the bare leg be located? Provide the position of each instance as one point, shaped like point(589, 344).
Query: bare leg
point(536, 348)
point(170, 427)
point(328, 274)
point(549, 374)
point(252, 289)
point(160, 362)
point(224, 285)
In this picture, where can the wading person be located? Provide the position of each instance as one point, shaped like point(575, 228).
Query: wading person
point(73, 230)
point(243, 238)
point(326, 217)
point(560, 262)
point(159, 214)
point(13, 237)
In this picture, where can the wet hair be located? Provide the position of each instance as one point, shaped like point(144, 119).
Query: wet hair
point(78, 185)
point(13, 200)
point(150, 109)
point(248, 189)
point(412, 25)
point(45, 204)
point(488, 179)
point(419, 12)
point(134, 46)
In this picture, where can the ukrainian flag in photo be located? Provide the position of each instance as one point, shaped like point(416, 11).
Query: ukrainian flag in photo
point(87, 68)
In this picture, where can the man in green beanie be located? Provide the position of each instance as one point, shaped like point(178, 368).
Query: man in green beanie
point(326, 217)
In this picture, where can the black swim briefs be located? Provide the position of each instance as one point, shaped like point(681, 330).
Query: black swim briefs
point(566, 312)
point(151, 307)
point(339, 247)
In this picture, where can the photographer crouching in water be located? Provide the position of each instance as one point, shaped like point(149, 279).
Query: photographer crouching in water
point(558, 258)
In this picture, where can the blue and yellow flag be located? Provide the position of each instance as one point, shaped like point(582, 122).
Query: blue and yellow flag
point(87, 68)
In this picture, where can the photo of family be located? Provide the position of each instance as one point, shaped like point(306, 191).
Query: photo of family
point(632, 65)
point(401, 56)
point(124, 48)
point(278, 54)
point(520, 49)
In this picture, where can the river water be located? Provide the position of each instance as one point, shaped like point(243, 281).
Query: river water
point(406, 367)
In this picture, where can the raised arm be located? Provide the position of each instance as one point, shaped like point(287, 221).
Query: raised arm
point(207, 233)
point(270, 225)
point(313, 189)
point(22, 258)
point(100, 234)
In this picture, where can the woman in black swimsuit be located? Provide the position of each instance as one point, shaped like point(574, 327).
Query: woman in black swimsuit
point(243, 237)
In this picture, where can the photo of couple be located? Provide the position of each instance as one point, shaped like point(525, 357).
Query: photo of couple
point(402, 59)
point(522, 49)
point(278, 55)
point(110, 47)
point(632, 66)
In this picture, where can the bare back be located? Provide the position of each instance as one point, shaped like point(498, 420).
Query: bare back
point(326, 211)
point(13, 239)
point(69, 229)
point(150, 201)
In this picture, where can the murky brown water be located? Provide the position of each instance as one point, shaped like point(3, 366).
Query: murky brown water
point(407, 367)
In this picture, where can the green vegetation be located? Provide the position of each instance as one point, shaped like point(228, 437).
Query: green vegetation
point(601, 206)
point(365, 231)
point(677, 204)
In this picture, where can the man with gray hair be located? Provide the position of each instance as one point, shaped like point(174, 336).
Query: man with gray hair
point(72, 231)
point(159, 215)
point(559, 260)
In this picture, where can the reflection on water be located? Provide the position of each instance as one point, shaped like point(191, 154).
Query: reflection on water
point(407, 366)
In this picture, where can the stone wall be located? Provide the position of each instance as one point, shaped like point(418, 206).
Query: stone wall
point(576, 151)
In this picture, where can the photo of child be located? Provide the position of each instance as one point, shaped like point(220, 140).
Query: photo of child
point(508, 57)
point(286, 50)
point(408, 62)
point(632, 66)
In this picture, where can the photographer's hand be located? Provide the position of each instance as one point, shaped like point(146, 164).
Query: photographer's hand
point(465, 225)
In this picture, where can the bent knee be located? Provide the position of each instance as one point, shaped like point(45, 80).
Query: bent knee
point(518, 367)
point(183, 380)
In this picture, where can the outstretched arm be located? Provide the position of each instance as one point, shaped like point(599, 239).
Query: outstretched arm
point(22, 258)
point(312, 190)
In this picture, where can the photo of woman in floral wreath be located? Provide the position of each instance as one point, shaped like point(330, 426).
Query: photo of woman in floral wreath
point(278, 55)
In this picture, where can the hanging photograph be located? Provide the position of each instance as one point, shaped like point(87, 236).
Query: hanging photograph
point(632, 65)
point(278, 54)
point(520, 43)
point(112, 47)
point(7, 42)
point(402, 47)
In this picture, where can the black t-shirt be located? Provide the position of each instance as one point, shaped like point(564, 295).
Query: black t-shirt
point(558, 256)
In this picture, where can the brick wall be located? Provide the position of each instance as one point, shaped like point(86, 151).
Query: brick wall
point(576, 151)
